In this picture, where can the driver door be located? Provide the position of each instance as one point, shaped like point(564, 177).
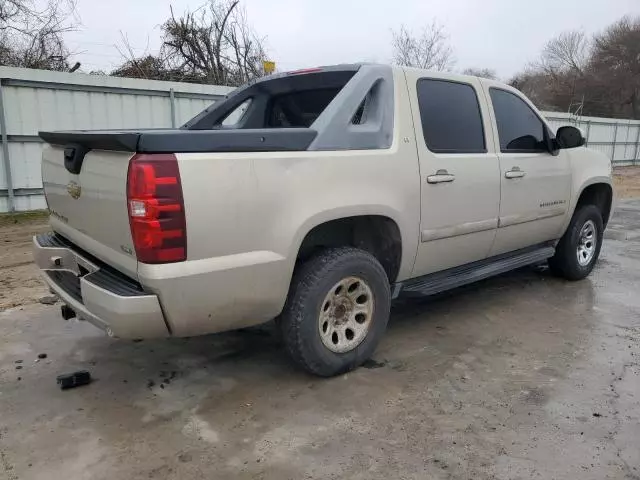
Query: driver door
point(535, 185)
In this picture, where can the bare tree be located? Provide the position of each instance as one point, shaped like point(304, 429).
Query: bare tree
point(429, 50)
point(535, 85)
point(215, 43)
point(614, 67)
point(31, 34)
point(489, 73)
point(11, 9)
point(597, 76)
point(568, 52)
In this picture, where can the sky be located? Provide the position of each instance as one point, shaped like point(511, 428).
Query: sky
point(503, 35)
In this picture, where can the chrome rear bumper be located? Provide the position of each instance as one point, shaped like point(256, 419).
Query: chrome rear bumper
point(97, 293)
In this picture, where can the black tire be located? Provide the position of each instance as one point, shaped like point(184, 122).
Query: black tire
point(565, 261)
point(311, 282)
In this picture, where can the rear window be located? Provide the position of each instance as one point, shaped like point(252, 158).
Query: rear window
point(299, 109)
point(284, 101)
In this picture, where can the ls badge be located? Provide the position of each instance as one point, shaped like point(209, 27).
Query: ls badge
point(74, 190)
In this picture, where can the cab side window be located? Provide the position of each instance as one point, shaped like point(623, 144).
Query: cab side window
point(519, 128)
point(450, 115)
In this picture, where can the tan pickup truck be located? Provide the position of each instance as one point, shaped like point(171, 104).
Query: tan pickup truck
point(316, 197)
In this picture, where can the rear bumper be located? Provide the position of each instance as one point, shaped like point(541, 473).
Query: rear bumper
point(98, 294)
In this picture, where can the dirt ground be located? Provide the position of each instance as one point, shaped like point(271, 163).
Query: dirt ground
point(627, 182)
point(20, 282)
point(518, 377)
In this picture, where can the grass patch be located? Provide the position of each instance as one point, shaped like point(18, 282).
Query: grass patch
point(31, 216)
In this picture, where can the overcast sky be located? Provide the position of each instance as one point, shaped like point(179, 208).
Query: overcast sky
point(499, 34)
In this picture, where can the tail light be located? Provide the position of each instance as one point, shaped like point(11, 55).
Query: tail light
point(156, 209)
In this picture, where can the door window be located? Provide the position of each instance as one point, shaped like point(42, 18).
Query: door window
point(450, 115)
point(519, 128)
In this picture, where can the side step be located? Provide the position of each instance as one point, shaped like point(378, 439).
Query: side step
point(456, 277)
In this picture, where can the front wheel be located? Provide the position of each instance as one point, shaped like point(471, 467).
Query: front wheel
point(579, 248)
point(336, 311)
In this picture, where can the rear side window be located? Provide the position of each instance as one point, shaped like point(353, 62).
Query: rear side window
point(236, 115)
point(298, 109)
point(519, 128)
point(287, 100)
point(451, 118)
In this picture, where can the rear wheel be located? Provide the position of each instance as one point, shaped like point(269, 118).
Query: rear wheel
point(336, 311)
point(579, 248)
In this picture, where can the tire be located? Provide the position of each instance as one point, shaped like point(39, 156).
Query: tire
point(565, 262)
point(362, 306)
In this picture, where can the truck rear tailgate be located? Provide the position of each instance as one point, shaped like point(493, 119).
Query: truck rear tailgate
point(90, 208)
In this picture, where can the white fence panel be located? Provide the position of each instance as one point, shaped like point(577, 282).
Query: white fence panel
point(37, 100)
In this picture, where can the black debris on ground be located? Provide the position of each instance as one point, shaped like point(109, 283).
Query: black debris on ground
point(75, 379)
point(373, 364)
point(42, 356)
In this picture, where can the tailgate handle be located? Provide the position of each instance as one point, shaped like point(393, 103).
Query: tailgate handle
point(73, 157)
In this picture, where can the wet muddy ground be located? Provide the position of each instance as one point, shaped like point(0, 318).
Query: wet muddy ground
point(518, 377)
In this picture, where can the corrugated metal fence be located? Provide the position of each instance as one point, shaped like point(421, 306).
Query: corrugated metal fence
point(617, 139)
point(35, 100)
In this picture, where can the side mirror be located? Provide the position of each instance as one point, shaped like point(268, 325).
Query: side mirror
point(569, 137)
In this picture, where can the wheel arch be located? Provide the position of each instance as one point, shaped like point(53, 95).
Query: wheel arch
point(378, 233)
point(599, 193)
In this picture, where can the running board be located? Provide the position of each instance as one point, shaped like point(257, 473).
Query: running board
point(456, 277)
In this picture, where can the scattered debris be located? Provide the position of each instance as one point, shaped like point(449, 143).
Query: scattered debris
point(48, 300)
point(168, 376)
point(373, 364)
point(597, 414)
point(185, 457)
point(150, 384)
point(19, 378)
point(18, 367)
point(18, 361)
point(75, 379)
point(42, 356)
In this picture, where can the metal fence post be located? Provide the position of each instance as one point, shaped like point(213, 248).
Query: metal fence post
point(613, 147)
point(635, 155)
point(586, 135)
point(6, 161)
point(172, 101)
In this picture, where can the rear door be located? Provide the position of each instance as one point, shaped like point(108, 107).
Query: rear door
point(460, 183)
point(535, 184)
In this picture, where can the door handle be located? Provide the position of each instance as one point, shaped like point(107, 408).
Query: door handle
point(441, 176)
point(515, 172)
